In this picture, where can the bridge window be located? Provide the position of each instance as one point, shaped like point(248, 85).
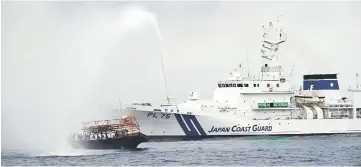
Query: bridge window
point(277, 85)
point(245, 85)
point(254, 85)
point(239, 85)
point(257, 85)
point(234, 85)
point(268, 85)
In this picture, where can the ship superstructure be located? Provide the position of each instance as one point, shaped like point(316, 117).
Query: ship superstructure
point(266, 104)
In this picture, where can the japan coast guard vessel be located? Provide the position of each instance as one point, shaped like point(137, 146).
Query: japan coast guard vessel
point(261, 105)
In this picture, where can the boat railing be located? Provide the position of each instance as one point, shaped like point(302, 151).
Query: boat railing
point(290, 89)
point(141, 104)
point(339, 103)
point(127, 125)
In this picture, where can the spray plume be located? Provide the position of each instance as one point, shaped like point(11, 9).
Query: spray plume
point(57, 84)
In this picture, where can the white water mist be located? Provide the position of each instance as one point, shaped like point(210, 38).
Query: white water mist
point(135, 18)
point(61, 67)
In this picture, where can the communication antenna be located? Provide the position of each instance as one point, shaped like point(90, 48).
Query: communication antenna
point(120, 105)
point(270, 47)
point(357, 86)
point(293, 67)
point(247, 58)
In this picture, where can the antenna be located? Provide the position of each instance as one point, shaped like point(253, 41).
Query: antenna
point(120, 105)
point(293, 67)
point(247, 58)
point(270, 47)
point(356, 81)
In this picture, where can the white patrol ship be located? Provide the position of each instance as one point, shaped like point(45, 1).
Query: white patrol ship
point(263, 105)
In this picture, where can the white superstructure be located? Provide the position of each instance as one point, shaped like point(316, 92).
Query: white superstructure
point(257, 105)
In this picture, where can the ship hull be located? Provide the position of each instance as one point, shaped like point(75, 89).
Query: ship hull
point(159, 126)
point(126, 142)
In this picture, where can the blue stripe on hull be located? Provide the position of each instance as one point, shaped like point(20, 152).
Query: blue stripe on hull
point(193, 118)
point(192, 123)
point(191, 132)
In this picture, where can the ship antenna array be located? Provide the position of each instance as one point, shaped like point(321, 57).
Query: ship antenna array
point(269, 47)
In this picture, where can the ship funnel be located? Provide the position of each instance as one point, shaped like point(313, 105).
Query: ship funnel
point(324, 85)
point(320, 82)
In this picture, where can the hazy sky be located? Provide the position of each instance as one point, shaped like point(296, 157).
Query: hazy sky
point(65, 61)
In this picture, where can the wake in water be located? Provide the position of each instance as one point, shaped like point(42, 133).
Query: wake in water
point(75, 152)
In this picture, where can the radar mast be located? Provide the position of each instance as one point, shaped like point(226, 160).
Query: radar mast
point(273, 36)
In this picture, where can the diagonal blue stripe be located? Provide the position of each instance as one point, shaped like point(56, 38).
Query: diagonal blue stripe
point(187, 119)
point(196, 123)
point(184, 127)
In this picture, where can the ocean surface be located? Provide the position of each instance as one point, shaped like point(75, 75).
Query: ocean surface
point(298, 150)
